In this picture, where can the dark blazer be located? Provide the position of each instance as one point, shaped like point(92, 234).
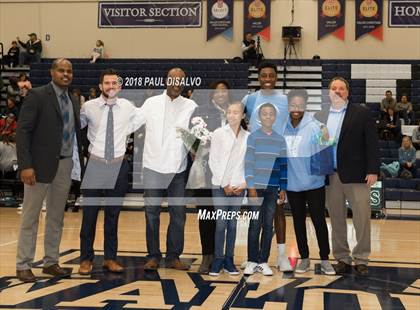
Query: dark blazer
point(40, 131)
point(357, 149)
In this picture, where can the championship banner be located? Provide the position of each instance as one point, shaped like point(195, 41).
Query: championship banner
point(150, 14)
point(257, 18)
point(404, 14)
point(220, 19)
point(331, 15)
point(369, 16)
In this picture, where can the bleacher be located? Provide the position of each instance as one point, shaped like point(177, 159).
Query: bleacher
point(86, 75)
point(369, 79)
point(397, 189)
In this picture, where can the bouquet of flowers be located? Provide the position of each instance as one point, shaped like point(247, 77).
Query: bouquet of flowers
point(197, 136)
point(197, 141)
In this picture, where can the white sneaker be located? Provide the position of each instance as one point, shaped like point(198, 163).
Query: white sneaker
point(327, 268)
point(244, 264)
point(250, 268)
point(264, 269)
point(284, 264)
point(303, 266)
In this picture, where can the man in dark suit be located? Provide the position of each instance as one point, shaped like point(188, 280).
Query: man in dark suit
point(356, 165)
point(47, 134)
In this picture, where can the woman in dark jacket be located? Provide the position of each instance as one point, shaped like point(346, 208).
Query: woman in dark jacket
point(213, 113)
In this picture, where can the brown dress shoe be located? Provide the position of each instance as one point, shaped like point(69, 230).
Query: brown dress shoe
point(113, 266)
point(56, 271)
point(85, 267)
point(342, 268)
point(25, 275)
point(151, 264)
point(178, 265)
point(361, 270)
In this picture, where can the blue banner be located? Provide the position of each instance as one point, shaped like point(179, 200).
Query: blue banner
point(404, 13)
point(257, 18)
point(331, 19)
point(150, 14)
point(220, 18)
point(369, 15)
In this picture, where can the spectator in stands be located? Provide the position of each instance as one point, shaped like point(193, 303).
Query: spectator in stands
point(267, 77)
point(78, 94)
point(13, 90)
point(405, 110)
point(8, 128)
point(12, 57)
point(47, 134)
point(388, 102)
point(407, 156)
point(98, 51)
point(33, 50)
point(416, 137)
point(249, 49)
point(7, 143)
point(213, 113)
point(392, 130)
point(11, 107)
point(356, 161)
point(92, 93)
point(24, 84)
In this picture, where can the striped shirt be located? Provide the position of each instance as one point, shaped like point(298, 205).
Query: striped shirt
point(266, 160)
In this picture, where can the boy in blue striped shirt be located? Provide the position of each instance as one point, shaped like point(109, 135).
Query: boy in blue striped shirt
point(265, 174)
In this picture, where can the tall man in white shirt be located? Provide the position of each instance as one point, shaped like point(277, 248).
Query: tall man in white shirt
point(165, 163)
point(110, 120)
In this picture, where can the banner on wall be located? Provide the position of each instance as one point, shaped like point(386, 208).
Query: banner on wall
point(369, 18)
point(220, 19)
point(257, 18)
point(331, 16)
point(150, 14)
point(404, 13)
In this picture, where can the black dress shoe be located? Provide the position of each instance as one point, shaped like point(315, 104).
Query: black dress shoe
point(25, 275)
point(342, 268)
point(361, 270)
point(56, 271)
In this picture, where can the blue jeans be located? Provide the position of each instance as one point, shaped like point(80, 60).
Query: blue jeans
point(111, 210)
point(26, 58)
point(224, 225)
point(259, 248)
point(156, 185)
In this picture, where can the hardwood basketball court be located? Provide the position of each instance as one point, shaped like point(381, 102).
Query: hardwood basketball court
point(393, 281)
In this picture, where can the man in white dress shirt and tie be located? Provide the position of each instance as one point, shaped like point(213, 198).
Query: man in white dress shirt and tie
point(110, 121)
point(165, 163)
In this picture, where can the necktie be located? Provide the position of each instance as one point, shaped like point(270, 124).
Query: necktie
point(64, 103)
point(109, 138)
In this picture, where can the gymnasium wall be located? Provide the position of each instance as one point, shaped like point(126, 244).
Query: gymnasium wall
point(72, 26)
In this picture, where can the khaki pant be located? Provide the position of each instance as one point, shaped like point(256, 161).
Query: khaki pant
point(358, 195)
point(56, 193)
